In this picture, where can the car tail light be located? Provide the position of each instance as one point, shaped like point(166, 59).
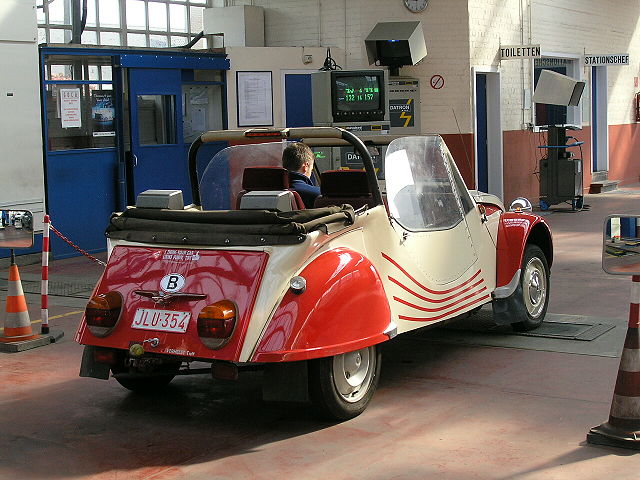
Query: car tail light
point(103, 312)
point(216, 323)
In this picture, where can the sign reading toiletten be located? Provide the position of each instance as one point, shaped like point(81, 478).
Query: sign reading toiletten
point(606, 59)
point(516, 52)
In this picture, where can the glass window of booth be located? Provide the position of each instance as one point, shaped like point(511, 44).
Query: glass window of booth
point(79, 115)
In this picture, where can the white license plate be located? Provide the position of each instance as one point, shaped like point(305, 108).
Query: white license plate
point(162, 320)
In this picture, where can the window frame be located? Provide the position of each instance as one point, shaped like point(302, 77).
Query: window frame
point(171, 36)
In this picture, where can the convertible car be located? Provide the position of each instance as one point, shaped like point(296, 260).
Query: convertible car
point(246, 277)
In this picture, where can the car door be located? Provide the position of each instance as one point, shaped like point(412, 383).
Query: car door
point(426, 210)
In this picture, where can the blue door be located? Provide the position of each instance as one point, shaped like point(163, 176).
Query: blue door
point(156, 157)
point(297, 89)
point(481, 140)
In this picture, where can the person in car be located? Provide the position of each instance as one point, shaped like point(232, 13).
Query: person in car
point(298, 159)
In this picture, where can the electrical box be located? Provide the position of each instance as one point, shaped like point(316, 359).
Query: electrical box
point(17, 21)
point(404, 105)
point(242, 26)
point(560, 173)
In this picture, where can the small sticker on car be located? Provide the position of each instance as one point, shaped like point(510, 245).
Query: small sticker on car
point(172, 282)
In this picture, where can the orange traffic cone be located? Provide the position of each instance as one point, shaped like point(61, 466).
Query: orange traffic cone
point(17, 326)
point(623, 427)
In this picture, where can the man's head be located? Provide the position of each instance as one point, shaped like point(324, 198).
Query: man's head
point(298, 157)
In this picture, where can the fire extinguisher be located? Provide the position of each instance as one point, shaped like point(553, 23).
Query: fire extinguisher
point(636, 105)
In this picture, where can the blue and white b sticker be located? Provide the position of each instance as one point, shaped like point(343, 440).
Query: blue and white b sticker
point(172, 282)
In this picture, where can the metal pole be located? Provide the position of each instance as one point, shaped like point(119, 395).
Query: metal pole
point(45, 275)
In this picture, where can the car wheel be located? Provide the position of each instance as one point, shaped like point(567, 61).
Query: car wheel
point(533, 288)
point(341, 387)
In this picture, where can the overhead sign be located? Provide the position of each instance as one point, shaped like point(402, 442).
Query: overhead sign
point(606, 59)
point(516, 52)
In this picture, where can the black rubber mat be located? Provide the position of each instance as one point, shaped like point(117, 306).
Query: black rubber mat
point(555, 326)
point(569, 331)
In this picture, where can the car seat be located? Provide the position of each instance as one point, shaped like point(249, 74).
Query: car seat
point(268, 179)
point(344, 186)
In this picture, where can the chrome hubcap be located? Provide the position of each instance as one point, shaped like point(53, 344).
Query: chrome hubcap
point(535, 287)
point(353, 373)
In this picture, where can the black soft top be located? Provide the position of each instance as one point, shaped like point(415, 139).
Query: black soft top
point(223, 227)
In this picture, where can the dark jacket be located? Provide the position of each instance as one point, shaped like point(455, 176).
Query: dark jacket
point(302, 184)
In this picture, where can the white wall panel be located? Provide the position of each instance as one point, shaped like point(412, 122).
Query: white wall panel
point(22, 175)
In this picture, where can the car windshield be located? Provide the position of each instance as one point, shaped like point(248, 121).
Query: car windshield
point(420, 174)
point(222, 179)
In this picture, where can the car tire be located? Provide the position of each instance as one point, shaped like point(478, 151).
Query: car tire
point(533, 290)
point(342, 386)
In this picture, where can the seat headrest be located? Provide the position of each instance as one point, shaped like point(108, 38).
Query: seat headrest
point(265, 178)
point(344, 183)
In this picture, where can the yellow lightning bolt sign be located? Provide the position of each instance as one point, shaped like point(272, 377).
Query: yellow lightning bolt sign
point(405, 115)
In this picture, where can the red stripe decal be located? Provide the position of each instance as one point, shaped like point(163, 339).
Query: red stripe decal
point(444, 307)
point(432, 319)
point(435, 300)
point(436, 292)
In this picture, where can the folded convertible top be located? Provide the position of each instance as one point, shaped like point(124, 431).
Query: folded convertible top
point(223, 228)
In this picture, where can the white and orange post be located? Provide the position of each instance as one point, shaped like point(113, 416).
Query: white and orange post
point(623, 427)
point(45, 274)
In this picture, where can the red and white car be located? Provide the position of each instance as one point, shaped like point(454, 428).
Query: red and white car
point(245, 277)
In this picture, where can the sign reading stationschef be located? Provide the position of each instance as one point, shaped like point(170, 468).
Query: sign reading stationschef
point(603, 60)
point(516, 52)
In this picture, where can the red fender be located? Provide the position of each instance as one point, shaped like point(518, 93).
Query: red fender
point(515, 230)
point(344, 308)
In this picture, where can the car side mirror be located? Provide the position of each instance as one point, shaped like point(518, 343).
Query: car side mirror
point(621, 245)
point(16, 229)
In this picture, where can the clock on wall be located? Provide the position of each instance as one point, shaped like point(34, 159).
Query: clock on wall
point(416, 5)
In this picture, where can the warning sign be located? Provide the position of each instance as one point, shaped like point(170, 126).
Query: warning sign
point(401, 112)
point(437, 82)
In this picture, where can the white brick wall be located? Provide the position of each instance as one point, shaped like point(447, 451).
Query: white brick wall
point(462, 34)
point(595, 26)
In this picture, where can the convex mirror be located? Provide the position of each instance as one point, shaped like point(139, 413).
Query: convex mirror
point(621, 245)
point(16, 229)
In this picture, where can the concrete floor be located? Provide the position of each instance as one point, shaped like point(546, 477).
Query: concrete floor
point(451, 404)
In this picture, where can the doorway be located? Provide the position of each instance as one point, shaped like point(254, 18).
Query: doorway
point(599, 120)
point(488, 132)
